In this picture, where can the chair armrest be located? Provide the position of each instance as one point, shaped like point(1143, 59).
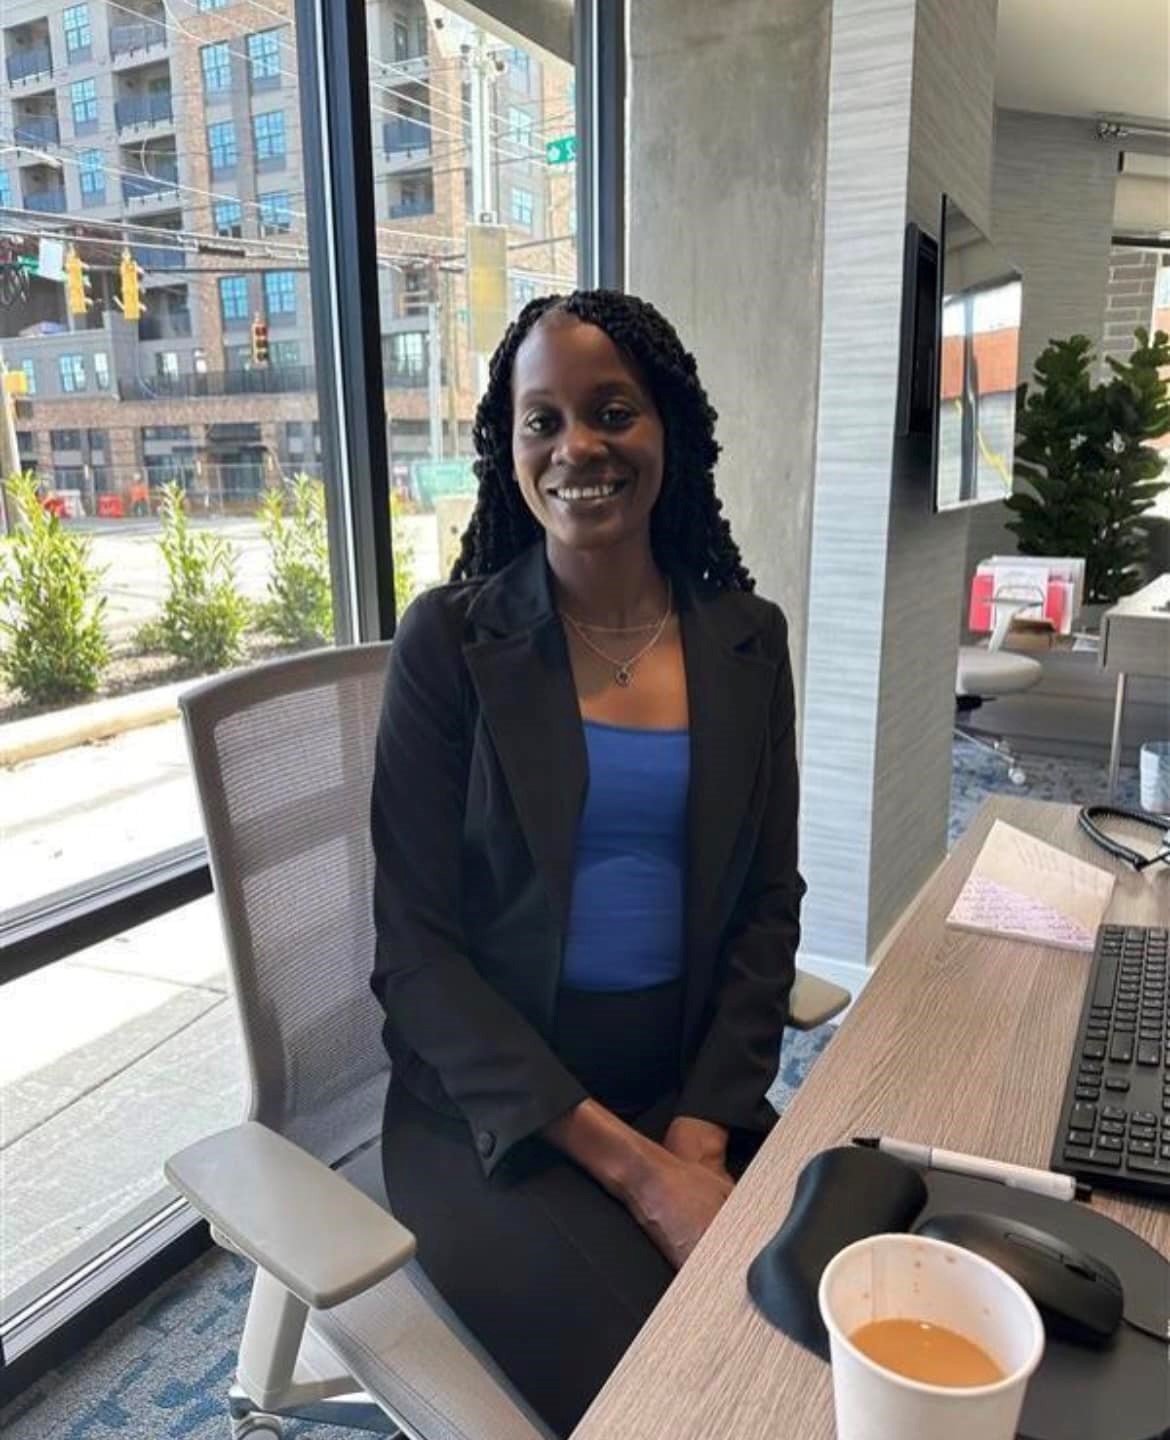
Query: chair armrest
point(289, 1214)
point(814, 1001)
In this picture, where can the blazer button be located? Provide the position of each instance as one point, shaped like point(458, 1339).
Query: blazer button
point(486, 1143)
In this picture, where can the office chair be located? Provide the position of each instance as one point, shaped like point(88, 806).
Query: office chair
point(343, 1326)
point(992, 672)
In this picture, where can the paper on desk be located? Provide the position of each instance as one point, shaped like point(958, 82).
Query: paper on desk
point(1024, 889)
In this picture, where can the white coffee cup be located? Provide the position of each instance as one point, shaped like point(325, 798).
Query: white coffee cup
point(886, 1277)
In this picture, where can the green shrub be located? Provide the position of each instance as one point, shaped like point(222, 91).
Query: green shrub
point(54, 645)
point(204, 616)
point(405, 585)
point(300, 594)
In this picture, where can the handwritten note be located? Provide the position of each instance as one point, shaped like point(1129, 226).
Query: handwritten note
point(1022, 888)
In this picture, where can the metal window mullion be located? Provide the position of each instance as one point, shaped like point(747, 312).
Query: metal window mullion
point(339, 188)
point(599, 60)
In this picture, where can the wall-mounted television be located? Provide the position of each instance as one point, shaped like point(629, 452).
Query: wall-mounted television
point(978, 363)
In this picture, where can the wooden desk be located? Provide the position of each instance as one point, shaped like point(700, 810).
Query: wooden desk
point(1135, 640)
point(957, 1040)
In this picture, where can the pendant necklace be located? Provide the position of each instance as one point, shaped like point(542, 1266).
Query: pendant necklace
point(623, 670)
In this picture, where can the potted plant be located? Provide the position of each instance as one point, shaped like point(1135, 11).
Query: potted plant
point(1089, 472)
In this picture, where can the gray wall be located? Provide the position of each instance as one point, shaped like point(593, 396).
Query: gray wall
point(726, 184)
point(911, 109)
point(1052, 214)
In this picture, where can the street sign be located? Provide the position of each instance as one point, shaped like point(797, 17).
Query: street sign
point(562, 151)
point(432, 479)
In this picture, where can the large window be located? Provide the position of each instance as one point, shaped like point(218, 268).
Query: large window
point(216, 63)
point(83, 99)
point(192, 416)
point(264, 55)
point(221, 147)
point(75, 20)
point(268, 135)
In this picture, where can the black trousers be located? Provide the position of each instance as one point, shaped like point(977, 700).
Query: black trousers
point(552, 1275)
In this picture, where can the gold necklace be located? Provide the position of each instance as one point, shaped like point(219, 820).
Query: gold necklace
point(623, 670)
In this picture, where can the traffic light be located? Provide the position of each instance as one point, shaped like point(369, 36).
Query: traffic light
point(259, 341)
point(130, 299)
point(76, 283)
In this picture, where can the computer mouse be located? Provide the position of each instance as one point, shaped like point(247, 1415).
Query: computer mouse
point(1079, 1297)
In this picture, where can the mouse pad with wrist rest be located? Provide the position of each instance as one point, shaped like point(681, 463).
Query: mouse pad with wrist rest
point(1120, 1391)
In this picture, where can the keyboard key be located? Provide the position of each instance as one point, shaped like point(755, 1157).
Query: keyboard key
point(1106, 979)
point(1149, 1053)
point(1144, 1117)
point(1092, 1067)
point(1121, 1050)
point(1148, 1165)
point(1110, 1158)
point(1111, 1127)
point(1087, 1092)
point(1113, 1112)
point(1138, 1147)
point(1109, 1142)
point(1097, 1032)
point(1093, 1050)
point(1083, 1117)
point(1142, 1132)
point(1116, 1083)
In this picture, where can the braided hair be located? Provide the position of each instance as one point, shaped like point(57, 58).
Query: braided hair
point(687, 526)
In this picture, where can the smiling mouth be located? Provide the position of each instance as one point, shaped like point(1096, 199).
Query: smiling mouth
point(574, 494)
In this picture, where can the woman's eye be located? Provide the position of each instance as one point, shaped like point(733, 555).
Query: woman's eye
point(539, 424)
point(616, 416)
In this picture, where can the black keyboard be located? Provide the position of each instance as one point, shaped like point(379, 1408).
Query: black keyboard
point(1114, 1128)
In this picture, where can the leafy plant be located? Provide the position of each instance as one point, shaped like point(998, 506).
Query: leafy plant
point(1082, 452)
point(204, 615)
point(55, 645)
point(300, 594)
point(405, 584)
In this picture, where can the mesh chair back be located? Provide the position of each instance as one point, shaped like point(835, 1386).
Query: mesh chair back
point(283, 756)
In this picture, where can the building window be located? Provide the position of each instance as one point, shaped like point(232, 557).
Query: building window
point(212, 4)
point(65, 439)
point(520, 68)
point(280, 292)
point(229, 218)
point(97, 441)
point(101, 369)
point(268, 135)
point(72, 369)
point(29, 370)
point(83, 98)
point(221, 146)
point(275, 213)
point(522, 206)
point(77, 34)
point(91, 171)
point(216, 61)
point(1162, 289)
point(519, 127)
point(401, 40)
point(5, 189)
point(522, 292)
point(264, 55)
point(408, 352)
point(166, 365)
point(286, 354)
point(233, 297)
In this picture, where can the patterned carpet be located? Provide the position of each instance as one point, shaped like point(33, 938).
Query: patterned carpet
point(161, 1373)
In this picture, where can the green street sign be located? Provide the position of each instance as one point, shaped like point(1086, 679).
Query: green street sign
point(28, 263)
point(432, 479)
point(562, 151)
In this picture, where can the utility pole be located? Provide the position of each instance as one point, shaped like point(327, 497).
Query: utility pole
point(482, 67)
point(9, 449)
point(434, 381)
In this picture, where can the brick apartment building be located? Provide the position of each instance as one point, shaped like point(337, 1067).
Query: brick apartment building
point(175, 128)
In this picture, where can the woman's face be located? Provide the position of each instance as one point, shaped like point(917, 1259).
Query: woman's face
point(587, 441)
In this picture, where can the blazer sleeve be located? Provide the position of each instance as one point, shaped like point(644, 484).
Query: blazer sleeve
point(493, 1064)
point(737, 1059)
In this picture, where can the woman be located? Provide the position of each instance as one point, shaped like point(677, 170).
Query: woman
point(584, 818)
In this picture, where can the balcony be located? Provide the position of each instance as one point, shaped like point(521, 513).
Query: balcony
point(137, 38)
point(214, 384)
point(33, 63)
point(145, 191)
point(140, 111)
point(47, 202)
point(35, 130)
point(403, 135)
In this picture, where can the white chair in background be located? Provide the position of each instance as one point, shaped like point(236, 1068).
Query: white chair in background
point(991, 672)
point(343, 1327)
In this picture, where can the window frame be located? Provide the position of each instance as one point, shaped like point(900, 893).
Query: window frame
point(271, 129)
point(266, 56)
point(285, 292)
point(235, 229)
point(68, 373)
point(80, 27)
point(239, 287)
point(226, 126)
point(274, 212)
point(91, 177)
point(89, 104)
point(220, 52)
point(342, 213)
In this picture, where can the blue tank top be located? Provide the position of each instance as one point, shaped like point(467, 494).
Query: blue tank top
point(626, 920)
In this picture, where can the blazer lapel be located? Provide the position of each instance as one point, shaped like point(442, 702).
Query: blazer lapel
point(519, 664)
point(729, 690)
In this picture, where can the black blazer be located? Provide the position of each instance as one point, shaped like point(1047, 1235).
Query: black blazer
point(480, 777)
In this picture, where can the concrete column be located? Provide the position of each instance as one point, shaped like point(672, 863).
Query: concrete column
point(727, 123)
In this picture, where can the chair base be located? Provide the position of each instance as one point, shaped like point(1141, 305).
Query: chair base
point(1000, 749)
point(349, 1412)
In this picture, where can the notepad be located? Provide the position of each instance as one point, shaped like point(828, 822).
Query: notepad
point(1023, 889)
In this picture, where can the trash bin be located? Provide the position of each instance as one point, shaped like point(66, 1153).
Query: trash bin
point(1155, 776)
